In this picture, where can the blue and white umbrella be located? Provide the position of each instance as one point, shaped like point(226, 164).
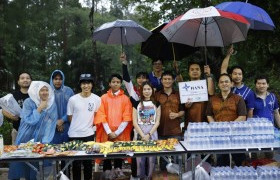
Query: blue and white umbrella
point(124, 32)
point(257, 17)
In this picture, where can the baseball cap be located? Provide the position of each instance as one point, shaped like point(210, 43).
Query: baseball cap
point(86, 77)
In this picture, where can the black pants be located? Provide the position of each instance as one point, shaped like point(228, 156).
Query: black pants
point(107, 164)
point(87, 163)
point(223, 159)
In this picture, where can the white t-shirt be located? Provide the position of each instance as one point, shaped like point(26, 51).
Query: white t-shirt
point(82, 111)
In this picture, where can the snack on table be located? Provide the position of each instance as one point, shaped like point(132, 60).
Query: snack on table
point(10, 148)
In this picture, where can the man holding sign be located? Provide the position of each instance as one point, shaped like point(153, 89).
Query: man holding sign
point(195, 93)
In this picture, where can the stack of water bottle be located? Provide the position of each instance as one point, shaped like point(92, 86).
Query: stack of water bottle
point(245, 173)
point(253, 133)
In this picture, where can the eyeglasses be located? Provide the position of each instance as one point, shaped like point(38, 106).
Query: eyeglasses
point(85, 75)
point(157, 64)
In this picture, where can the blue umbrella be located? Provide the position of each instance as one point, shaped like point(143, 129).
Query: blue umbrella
point(258, 18)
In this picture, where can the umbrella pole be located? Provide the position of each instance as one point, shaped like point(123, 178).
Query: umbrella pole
point(205, 50)
point(121, 39)
point(174, 58)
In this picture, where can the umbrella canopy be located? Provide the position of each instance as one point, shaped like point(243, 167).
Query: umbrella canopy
point(202, 27)
point(158, 47)
point(207, 27)
point(124, 32)
point(258, 18)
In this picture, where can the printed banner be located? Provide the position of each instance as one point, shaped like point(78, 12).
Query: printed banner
point(193, 91)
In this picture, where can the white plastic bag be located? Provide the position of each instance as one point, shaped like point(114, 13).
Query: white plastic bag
point(200, 174)
point(63, 176)
point(172, 168)
point(9, 104)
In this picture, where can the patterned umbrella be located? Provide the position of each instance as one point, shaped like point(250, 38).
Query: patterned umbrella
point(202, 27)
point(124, 32)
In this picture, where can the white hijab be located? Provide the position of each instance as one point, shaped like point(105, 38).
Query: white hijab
point(34, 89)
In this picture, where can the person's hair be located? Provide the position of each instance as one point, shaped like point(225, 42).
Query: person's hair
point(142, 95)
point(156, 59)
point(236, 67)
point(193, 62)
point(224, 74)
point(57, 73)
point(262, 77)
point(144, 74)
point(115, 76)
point(24, 73)
point(168, 73)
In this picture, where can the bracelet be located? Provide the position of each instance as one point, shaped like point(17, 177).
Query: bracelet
point(150, 134)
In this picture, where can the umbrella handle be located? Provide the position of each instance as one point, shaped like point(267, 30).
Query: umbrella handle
point(174, 58)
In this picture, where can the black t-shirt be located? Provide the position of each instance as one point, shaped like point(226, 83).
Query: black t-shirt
point(19, 97)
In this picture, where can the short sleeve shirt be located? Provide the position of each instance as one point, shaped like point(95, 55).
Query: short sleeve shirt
point(146, 113)
point(82, 111)
point(265, 107)
point(169, 103)
point(19, 97)
point(247, 94)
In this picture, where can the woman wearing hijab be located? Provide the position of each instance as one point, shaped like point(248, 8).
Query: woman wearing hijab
point(38, 122)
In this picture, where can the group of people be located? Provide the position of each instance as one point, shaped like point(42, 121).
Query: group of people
point(51, 113)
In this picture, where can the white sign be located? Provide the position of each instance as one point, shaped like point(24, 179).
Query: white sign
point(193, 91)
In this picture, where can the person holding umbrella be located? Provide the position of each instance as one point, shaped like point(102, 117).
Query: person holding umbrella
point(196, 112)
point(134, 92)
point(239, 88)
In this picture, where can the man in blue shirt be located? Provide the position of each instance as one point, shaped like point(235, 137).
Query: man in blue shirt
point(155, 75)
point(239, 88)
point(266, 103)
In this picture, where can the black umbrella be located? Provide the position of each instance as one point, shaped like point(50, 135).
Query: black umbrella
point(157, 47)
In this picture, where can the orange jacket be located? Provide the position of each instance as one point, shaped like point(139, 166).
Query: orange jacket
point(113, 110)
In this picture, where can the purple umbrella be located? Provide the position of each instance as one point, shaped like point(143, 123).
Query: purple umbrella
point(258, 18)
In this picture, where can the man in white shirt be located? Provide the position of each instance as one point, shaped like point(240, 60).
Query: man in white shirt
point(81, 109)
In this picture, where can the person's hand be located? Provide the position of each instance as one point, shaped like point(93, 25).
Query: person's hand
point(188, 104)
point(173, 115)
point(59, 122)
point(43, 105)
point(207, 70)
point(60, 128)
point(230, 50)
point(123, 58)
point(146, 137)
point(112, 135)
